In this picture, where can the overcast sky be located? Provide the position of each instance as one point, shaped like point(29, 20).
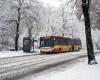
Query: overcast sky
point(53, 3)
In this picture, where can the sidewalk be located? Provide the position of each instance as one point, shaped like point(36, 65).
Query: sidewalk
point(4, 54)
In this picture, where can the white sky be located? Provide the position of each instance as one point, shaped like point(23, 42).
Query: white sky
point(52, 3)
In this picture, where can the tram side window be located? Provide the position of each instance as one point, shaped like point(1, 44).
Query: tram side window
point(63, 41)
point(57, 41)
point(74, 42)
point(68, 41)
point(71, 41)
point(77, 42)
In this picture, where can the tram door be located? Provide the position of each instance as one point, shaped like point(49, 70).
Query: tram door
point(27, 44)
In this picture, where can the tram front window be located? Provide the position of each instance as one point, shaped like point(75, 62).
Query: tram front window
point(46, 43)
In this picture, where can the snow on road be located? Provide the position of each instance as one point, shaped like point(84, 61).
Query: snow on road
point(16, 66)
point(78, 70)
point(4, 54)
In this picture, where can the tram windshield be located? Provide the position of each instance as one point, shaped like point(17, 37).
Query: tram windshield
point(46, 42)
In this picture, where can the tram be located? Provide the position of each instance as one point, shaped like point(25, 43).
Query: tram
point(57, 44)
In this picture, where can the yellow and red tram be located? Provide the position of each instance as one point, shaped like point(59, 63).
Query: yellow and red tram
point(56, 44)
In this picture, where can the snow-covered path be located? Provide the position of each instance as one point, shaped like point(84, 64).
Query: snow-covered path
point(12, 67)
point(5, 54)
point(80, 70)
point(22, 64)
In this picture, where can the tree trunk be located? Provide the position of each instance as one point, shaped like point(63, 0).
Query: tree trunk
point(90, 51)
point(30, 32)
point(17, 31)
point(17, 37)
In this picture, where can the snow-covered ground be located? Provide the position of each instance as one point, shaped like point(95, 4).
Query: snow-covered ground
point(78, 70)
point(4, 54)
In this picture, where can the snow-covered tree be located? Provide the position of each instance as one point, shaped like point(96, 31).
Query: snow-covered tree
point(18, 15)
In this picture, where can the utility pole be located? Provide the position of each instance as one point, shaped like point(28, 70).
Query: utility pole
point(90, 51)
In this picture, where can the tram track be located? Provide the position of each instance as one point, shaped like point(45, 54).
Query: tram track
point(21, 66)
point(24, 58)
point(10, 64)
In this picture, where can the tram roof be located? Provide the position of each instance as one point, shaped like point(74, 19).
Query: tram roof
point(46, 37)
point(52, 37)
